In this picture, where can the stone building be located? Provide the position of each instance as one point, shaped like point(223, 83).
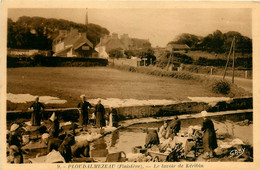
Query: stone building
point(113, 41)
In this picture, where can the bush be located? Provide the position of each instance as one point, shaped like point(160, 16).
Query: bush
point(182, 58)
point(221, 87)
point(116, 53)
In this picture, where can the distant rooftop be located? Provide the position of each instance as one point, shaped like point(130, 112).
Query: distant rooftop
point(179, 46)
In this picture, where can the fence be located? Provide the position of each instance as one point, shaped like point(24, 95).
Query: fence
point(217, 71)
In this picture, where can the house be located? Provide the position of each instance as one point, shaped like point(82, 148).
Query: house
point(177, 47)
point(73, 44)
point(134, 43)
point(140, 44)
point(113, 41)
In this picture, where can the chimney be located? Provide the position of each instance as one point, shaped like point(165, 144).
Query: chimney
point(124, 36)
point(86, 21)
point(114, 35)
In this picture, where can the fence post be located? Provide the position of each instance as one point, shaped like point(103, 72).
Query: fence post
point(246, 74)
point(211, 71)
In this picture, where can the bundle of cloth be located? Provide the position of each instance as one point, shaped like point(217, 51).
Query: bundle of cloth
point(52, 157)
point(185, 139)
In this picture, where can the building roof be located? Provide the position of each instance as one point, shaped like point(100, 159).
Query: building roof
point(62, 34)
point(124, 42)
point(140, 42)
point(179, 46)
point(111, 42)
point(81, 41)
point(66, 49)
point(74, 40)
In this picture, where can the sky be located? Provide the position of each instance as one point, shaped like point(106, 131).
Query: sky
point(159, 25)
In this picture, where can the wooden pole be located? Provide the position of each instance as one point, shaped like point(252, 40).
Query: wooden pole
point(172, 61)
point(168, 64)
point(228, 59)
point(233, 65)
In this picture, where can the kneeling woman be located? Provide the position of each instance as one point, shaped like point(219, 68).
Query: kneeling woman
point(151, 138)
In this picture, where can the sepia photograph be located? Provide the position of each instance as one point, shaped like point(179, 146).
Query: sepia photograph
point(95, 85)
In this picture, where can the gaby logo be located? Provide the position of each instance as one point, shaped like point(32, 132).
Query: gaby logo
point(237, 152)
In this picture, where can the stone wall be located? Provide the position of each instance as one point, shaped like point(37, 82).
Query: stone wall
point(72, 114)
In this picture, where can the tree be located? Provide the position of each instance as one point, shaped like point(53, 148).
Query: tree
point(186, 38)
point(116, 53)
point(220, 43)
point(130, 53)
point(213, 42)
point(243, 43)
point(38, 32)
point(149, 54)
point(217, 42)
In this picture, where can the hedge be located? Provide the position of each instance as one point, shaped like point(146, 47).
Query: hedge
point(39, 60)
point(239, 62)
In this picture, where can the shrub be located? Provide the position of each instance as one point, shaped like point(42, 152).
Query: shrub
point(116, 53)
point(182, 58)
point(221, 87)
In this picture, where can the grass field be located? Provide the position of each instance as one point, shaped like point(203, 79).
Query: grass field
point(97, 82)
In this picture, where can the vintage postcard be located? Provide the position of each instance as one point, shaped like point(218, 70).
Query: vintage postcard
point(129, 85)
